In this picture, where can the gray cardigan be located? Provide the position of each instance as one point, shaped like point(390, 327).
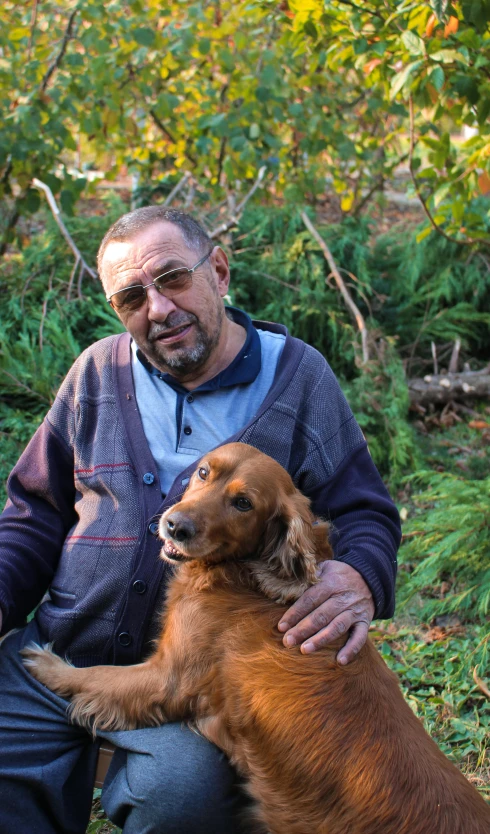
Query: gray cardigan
point(84, 501)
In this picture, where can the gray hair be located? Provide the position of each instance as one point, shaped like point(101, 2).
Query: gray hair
point(129, 225)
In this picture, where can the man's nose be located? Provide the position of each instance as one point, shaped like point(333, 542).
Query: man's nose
point(159, 306)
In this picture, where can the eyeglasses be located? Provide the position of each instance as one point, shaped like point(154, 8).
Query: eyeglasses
point(168, 284)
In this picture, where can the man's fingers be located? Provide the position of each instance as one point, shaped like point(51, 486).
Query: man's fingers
point(354, 644)
point(307, 603)
point(316, 621)
point(339, 626)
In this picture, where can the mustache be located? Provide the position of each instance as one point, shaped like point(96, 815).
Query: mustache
point(172, 321)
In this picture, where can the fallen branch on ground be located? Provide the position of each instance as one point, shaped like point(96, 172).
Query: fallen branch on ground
point(443, 388)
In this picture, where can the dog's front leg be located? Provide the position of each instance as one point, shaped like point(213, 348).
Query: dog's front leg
point(105, 697)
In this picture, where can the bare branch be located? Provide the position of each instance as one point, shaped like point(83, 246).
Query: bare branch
point(233, 221)
point(32, 27)
point(72, 278)
point(361, 325)
point(278, 280)
point(177, 188)
point(64, 231)
point(221, 159)
point(453, 362)
point(57, 61)
point(44, 312)
point(252, 191)
point(24, 387)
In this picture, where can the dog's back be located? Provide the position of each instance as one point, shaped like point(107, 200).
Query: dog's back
point(326, 749)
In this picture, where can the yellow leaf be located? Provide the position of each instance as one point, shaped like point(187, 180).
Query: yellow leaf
point(19, 33)
point(346, 201)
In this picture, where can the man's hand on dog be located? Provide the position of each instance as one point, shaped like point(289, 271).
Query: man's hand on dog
point(339, 602)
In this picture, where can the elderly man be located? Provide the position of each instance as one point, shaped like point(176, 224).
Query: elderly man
point(118, 446)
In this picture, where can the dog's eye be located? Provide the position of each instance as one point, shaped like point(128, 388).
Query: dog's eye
point(202, 473)
point(242, 504)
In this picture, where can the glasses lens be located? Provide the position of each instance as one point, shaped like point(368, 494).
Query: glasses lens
point(174, 282)
point(129, 299)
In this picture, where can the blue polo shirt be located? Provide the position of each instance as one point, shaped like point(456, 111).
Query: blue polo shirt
point(181, 425)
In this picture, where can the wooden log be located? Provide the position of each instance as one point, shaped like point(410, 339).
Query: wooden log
point(443, 388)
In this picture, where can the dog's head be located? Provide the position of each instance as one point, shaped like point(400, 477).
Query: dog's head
point(242, 505)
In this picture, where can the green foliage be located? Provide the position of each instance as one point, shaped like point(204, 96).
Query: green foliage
point(432, 290)
point(436, 677)
point(379, 399)
point(319, 92)
point(280, 274)
point(449, 542)
point(42, 330)
point(422, 72)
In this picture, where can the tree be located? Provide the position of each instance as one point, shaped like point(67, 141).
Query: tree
point(326, 94)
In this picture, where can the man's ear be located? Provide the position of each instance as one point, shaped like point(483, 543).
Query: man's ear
point(291, 548)
point(221, 270)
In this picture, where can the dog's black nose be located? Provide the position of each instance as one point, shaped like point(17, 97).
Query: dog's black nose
point(180, 527)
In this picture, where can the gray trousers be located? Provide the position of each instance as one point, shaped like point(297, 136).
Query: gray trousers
point(162, 780)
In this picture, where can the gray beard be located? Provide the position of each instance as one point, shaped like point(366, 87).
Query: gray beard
point(183, 361)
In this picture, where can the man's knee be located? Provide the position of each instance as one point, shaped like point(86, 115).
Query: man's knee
point(173, 780)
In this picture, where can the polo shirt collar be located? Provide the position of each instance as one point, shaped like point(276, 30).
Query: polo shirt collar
point(243, 369)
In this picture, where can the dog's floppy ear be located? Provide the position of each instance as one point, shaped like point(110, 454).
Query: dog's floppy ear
point(290, 549)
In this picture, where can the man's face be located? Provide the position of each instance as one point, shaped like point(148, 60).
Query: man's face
point(180, 334)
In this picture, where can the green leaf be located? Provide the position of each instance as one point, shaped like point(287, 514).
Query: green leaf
point(439, 8)
point(311, 29)
point(403, 77)
point(254, 131)
point(204, 46)
point(449, 56)
point(67, 201)
point(144, 36)
point(413, 43)
point(436, 78)
point(483, 111)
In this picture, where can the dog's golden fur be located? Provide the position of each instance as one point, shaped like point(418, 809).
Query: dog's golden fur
point(324, 749)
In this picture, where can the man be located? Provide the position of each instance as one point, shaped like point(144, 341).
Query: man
point(132, 418)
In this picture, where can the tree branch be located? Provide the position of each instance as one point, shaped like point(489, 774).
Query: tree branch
point(64, 231)
point(469, 241)
point(57, 61)
point(341, 286)
point(233, 221)
point(158, 122)
point(177, 188)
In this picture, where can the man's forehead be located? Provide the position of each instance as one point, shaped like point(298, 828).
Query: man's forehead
point(159, 238)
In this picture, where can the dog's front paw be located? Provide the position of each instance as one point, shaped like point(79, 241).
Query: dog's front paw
point(49, 669)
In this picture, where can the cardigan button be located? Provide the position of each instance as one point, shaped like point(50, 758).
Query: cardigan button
point(148, 478)
point(139, 586)
point(153, 528)
point(125, 638)
point(187, 430)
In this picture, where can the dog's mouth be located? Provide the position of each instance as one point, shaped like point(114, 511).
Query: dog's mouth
point(172, 553)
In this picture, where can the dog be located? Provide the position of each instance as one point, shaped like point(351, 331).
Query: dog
point(322, 748)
